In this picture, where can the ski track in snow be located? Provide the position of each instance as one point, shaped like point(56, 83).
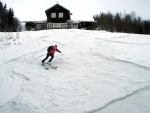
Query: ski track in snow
point(147, 87)
point(20, 75)
point(122, 42)
point(23, 62)
point(119, 99)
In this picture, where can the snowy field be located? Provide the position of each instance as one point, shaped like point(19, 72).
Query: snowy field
point(98, 72)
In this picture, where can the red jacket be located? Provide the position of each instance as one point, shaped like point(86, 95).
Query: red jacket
point(52, 49)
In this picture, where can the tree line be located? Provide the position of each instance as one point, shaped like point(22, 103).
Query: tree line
point(8, 23)
point(128, 23)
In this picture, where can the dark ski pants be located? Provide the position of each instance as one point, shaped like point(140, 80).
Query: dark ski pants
point(52, 56)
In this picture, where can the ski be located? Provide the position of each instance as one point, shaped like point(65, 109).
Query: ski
point(53, 67)
point(46, 66)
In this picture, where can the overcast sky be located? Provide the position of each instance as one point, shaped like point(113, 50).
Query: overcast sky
point(29, 10)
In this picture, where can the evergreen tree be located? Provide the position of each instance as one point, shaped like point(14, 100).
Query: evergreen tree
point(102, 20)
point(7, 20)
point(118, 22)
point(127, 23)
point(110, 22)
point(10, 19)
point(1, 9)
point(1, 13)
point(139, 26)
point(4, 19)
point(146, 27)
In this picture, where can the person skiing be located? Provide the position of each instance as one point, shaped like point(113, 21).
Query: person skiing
point(50, 52)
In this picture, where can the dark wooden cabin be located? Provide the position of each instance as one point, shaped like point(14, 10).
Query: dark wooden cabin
point(58, 17)
point(57, 14)
point(85, 25)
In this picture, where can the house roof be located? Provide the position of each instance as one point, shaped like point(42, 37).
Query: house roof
point(44, 21)
point(72, 21)
point(56, 5)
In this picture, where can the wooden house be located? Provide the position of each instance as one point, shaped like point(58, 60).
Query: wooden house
point(59, 17)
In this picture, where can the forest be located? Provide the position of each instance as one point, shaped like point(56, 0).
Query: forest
point(127, 23)
point(8, 22)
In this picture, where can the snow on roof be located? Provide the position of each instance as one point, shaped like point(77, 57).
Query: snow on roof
point(72, 21)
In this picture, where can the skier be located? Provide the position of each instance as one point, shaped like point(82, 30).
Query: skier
point(50, 52)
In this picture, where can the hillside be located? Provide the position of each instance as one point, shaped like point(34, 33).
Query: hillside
point(98, 72)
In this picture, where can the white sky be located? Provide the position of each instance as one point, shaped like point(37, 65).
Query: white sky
point(27, 10)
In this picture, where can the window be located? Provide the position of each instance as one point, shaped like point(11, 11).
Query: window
point(56, 25)
point(63, 25)
point(49, 25)
point(60, 15)
point(38, 26)
point(53, 15)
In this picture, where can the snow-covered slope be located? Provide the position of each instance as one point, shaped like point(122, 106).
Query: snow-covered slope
point(98, 72)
